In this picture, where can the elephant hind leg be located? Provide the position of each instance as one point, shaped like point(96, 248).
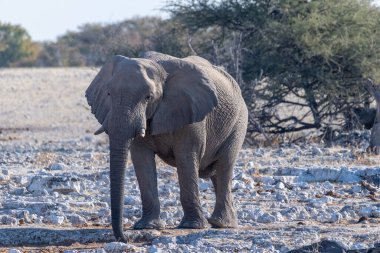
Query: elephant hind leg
point(224, 212)
point(214, 183)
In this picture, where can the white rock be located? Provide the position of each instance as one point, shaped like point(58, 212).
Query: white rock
point(320, 202)
point(83, 204)
point(130, 200)
point(61, 184)
point(280, 186)
point(4, 178)
point(267, 180)
point(376, 213)
point(88, 138)
point(164, 215)
point(164, 240)
point(115, 247)
point(8, 220)
point(366, 211)
point(358, 245)
point(170, 222)
point(76, 219)
point(328, 186)
point(104, 212)
point(279, 216)
point(23, 180)
point(303, 185)
point(237, 185)
point(14, 251)
point(57, 166)
point(356, 189)
point(178, 214)
point(336, 217)
point(282, 197)
point(153, 249)
point(266, 218)
point(88, 156)
point(303, 215)
point(253, 214)
point(203, 186)
point(316, 151)
point(56, 219)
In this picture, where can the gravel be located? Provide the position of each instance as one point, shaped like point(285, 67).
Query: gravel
point(54, 184)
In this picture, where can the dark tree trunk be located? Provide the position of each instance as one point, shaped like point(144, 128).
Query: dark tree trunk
point(374, 143)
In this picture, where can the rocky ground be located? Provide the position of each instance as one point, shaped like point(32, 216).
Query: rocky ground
point(54, 185)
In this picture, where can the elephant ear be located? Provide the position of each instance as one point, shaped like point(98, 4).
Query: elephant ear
point(97, 92)
point(188, 96)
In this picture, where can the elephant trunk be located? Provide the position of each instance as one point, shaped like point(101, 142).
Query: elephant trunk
point(118, 158)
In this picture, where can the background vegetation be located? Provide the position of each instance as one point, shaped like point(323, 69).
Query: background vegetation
point(301, 64)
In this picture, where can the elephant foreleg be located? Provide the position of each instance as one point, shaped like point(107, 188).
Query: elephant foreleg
point(145, 168)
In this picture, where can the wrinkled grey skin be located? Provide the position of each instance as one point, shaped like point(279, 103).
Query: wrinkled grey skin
point(189, 113)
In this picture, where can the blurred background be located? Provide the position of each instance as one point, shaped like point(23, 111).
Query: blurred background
point(308, 69)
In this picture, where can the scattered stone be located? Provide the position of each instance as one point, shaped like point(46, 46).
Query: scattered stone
point(323, 246)
point(316, 151)
point(153, 249)
point(14, 251)
point(57, 166)
point(356, 189)
point(4, 178)
point(130, 200)
point(55, 219)
point(61, 184)
point(280, 186)
point(366, 211)
point(282, 197)
point(23, 180)
point(328, 186)
point(335, 217)
point(266, 218)
point(7, 220)
point(76, 219)
point(204, 186)
point(116, 247)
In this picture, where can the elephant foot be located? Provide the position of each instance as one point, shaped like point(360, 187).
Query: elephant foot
point(198, 223)
point(147, 223)
point(225, 221)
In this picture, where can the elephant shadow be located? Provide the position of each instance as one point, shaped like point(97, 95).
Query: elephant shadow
point(41, 237)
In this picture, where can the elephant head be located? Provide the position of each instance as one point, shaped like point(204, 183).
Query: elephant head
point(133, 97)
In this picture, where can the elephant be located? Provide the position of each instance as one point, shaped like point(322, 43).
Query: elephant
point(186, 111)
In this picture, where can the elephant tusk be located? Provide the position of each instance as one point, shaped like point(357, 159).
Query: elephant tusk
point(100, 130)
point(142, 132)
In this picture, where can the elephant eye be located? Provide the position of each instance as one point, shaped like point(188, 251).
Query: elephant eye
point(108, 93)
point(149, 97)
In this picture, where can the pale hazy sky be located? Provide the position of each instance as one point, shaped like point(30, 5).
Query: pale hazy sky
point(47, 19)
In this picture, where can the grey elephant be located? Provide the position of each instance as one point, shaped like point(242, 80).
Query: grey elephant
point(189, 113)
